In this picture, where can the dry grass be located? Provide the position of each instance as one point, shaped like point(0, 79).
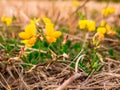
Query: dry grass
point(14, 77)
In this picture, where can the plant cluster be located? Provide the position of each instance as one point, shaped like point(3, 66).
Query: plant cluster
point(50, 44)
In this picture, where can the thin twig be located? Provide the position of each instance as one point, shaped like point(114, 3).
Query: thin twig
point(112, 60)
point(8, 86)
point(67, 82)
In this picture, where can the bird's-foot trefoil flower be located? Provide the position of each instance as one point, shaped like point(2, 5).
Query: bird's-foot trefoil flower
point(109, 31)
point(87, 24)
point(29, 35)
point(107, 11)
point(50, 34)
point(6, 20)
point(101, 30)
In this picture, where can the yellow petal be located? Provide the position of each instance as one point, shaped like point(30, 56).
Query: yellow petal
point(111, 10)
point(34, 21)
point(57, 34)
point(105, 12)
point(50, 39)
point(49, 28)
point(24, 35)
point(101, 30)
point(91, 26)
point(82, 24)
point(46, 20)
point(30, 29)
point(8, 21)
point(29, 42)
point(108, 27)
point(24, 41)
point(32, 40)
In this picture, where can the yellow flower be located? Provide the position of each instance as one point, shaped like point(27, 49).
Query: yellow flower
point(91, 26)
point(108, 28)
point(75, 3)
point(108, 11)
point(87, 24)
point(101, 30)
point(50, 34)
point(30, 31)
point(82, 24)
point(29, 35)
point(6, 20)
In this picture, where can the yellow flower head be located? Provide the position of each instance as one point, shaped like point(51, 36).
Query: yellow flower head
point(6, 20)
point(50, 34)
point(108, 28)
point(108, 11)
point(30, 31)
point(101, 30)
point(83, 24)
point(75, 3)
point(91, 26)
point(87, 24)
point(29, 35)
